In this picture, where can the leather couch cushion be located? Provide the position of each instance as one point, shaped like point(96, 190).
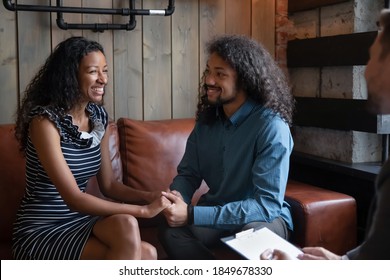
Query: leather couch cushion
point(12, 164)
point(151, 151)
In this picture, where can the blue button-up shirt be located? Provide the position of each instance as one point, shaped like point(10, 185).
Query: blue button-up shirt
point(244, 161)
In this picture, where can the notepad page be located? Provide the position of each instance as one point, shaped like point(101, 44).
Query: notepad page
point(251, 245)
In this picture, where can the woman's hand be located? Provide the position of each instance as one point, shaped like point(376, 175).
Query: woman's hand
point(159, 204)
point(152, 196)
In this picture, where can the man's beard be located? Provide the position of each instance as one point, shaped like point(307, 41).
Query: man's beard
point(220, 102)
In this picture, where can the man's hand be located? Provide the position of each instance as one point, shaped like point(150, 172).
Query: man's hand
point(176, 214)
point(317, 253)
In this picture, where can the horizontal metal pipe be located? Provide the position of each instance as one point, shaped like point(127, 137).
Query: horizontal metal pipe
point(87, 10)
point(97, 27)
point(62, 9)
point(59, 9)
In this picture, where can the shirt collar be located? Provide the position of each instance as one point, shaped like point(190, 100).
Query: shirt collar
point(240, 115)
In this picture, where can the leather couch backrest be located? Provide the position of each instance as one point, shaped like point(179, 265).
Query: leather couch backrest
point(151, 150)
point(12, 180)
point(115, 156)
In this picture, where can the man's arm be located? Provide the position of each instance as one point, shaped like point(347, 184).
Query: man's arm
point(188, 179)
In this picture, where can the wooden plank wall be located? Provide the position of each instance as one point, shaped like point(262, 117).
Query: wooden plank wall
point(154, 69)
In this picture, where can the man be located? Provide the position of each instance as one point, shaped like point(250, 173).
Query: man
point(240, 146)
point(376, 244)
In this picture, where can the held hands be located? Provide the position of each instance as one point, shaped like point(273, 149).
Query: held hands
point(160, 203)
point(153, 195)
point(176, 214)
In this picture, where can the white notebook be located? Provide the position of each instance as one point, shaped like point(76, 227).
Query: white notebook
point(251, 243)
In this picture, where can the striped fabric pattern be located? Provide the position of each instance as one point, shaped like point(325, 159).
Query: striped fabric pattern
point(45, 227)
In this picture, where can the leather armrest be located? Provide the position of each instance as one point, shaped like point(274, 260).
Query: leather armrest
point(322, 217)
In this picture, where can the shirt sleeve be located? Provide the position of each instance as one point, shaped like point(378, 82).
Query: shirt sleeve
point(188, 180)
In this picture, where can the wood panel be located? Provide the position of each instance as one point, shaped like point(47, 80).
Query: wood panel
point(301, 5)
point(211, 22)
point(106, 39)
point(8, 66)
point(263, 23)
point(128, 68)
point(154, 69)
point(34, 44)
point(238, 17)
point(157, 61)
point(185, 59)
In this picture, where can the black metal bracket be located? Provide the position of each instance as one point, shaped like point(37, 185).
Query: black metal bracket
point(342, 114)
point(97, 27)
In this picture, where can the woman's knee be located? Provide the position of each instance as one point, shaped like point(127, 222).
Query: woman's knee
point(120, 233)
point(118, 228)
point(120, 223)
point(149, 252)
point(126, 222)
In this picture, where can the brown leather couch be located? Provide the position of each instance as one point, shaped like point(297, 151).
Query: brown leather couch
point(145, 155)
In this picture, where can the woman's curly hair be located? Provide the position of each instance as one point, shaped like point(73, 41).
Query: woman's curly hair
point(56, 83)
point(257, 74)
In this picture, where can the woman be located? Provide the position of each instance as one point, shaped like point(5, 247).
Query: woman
point(61, 129)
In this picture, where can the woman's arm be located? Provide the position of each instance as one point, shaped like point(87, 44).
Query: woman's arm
point(46, 140)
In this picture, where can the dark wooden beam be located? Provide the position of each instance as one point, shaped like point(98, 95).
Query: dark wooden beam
point(339, 50)
point(339, 114)
point(301, 5)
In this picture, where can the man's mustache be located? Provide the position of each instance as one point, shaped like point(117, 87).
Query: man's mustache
point(210, 87)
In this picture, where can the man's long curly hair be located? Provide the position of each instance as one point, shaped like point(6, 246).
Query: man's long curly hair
point(257, 74)
point(56, 83)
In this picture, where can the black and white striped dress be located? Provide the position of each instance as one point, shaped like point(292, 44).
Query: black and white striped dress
point(45, 227)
